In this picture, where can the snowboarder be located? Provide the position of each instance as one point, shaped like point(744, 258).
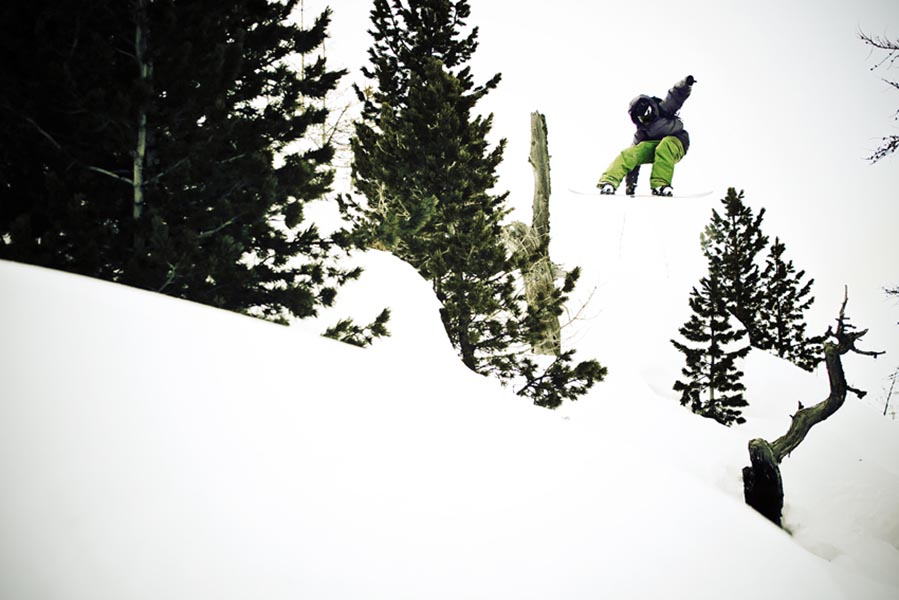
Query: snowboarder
point(660, 139)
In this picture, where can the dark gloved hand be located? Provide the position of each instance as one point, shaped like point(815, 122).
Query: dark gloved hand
point(690, 80)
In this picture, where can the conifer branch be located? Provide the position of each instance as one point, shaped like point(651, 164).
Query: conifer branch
point(102, 171)
point(43, 133)
point(843, 342)
point(156, 178)
point(169, 279)
point(211, 232)
point(53, 142)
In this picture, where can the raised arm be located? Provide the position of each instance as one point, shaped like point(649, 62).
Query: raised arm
point(677, 95)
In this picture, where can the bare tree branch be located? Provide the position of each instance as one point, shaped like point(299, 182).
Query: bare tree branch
point(889, 144)
point(53, 142)
point(763, 488)
point(102, 171)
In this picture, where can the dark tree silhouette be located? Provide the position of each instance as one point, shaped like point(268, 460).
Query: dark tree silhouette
point(762, 483)
point(890, 143)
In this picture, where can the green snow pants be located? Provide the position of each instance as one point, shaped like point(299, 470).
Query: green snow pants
point(663, 154)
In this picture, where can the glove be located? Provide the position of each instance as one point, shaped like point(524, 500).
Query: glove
point(690, 80)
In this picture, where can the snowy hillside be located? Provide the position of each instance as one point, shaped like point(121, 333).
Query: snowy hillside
point(154, 448)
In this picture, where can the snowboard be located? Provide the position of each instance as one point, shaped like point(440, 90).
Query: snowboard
point(676, 195)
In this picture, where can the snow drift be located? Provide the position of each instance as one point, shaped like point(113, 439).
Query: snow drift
point(154, 448)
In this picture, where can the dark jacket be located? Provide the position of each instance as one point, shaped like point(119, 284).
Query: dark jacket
point(666, 121)
point(663, 120)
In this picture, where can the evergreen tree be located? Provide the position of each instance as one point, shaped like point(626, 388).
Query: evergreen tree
point(163, 144)
point(66, 94)
point(732, 243)
point(711, 380)
point(786, 299)
point(771, 303)
point(423, 164)
point(432, 169)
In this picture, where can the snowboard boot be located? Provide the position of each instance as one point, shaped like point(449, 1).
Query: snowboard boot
point(665, 190)
point(605, 188)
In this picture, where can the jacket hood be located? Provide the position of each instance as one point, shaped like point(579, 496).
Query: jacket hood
point(639, 104)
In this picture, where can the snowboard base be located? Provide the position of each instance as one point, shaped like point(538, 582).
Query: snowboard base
point(596, 193)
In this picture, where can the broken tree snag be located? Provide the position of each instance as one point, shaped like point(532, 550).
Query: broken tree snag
point(762, 484)
point(539, 277)
point(530, 245)
point(539, 159)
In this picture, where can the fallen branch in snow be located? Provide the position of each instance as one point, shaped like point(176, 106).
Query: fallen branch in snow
point(762, 483)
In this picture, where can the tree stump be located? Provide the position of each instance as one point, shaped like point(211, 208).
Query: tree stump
point(762, 484)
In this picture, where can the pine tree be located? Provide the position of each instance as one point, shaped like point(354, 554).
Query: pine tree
point(786, 300)
point(426, 171)
point(732, 243)
point(169, 151)
point(60, 110)
point(711, 380)
point(434, 158)
point(419, 152)
point(771, 303)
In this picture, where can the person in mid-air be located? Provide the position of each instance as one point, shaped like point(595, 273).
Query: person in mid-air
point(660, 139)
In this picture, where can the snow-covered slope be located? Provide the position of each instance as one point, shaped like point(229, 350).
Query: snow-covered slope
point(154, 448)
point(646, 261)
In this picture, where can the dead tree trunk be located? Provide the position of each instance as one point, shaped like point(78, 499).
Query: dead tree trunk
point(762, 483)
point(531, 244)
point(539, 159)
point(140, 150)
point(539, 279)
